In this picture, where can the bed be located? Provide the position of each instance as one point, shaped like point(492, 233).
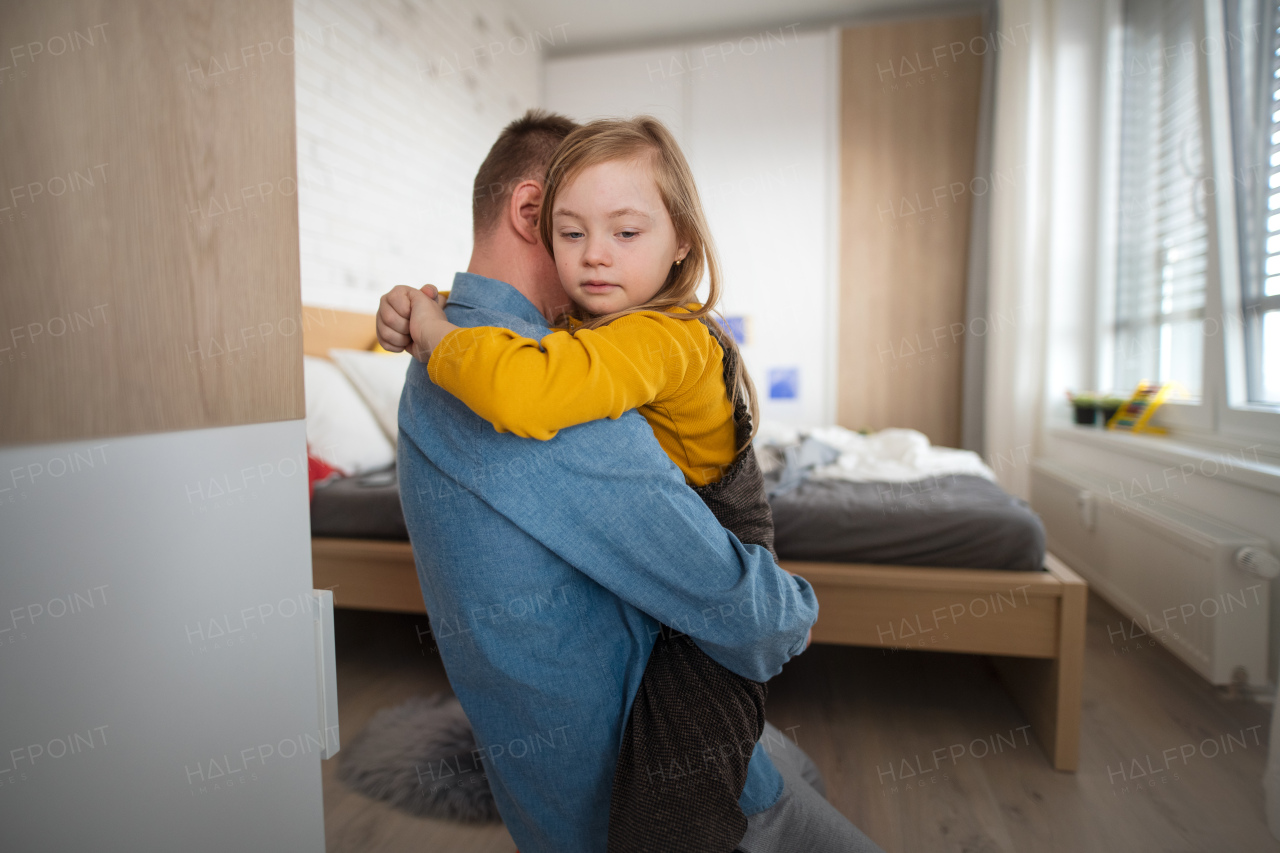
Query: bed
point(1031, 621)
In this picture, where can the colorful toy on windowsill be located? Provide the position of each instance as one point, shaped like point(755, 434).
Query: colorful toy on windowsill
point(1135, 415)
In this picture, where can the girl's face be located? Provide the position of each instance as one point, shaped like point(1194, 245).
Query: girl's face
point(613, 239)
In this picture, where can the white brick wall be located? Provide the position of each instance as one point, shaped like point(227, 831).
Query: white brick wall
point(398, 102)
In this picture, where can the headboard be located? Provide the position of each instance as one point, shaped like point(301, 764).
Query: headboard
point(324, 329)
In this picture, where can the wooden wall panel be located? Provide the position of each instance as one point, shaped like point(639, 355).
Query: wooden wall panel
point(908, 134)
point(148, 217)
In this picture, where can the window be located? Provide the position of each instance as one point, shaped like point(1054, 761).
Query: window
point(1253, 68)
point(1193, 176)
point(1162, 235)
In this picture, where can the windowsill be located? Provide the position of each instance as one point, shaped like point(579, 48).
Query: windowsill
point(1257, 408)
point(1251, 465)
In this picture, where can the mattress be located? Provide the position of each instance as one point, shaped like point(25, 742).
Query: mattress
point(366, 506)
point(959, 521)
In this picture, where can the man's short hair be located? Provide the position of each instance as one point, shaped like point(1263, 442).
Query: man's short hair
point(522, 152)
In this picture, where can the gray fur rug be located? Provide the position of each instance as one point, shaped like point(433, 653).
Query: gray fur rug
point(420, 757)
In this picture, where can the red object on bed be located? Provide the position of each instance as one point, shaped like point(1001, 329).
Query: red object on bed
point(317, 472)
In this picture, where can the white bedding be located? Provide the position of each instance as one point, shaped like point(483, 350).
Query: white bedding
point(887, 456)
point(340, 428)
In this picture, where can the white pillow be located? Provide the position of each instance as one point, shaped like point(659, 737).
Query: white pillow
point(340, 428)
point(379, 377)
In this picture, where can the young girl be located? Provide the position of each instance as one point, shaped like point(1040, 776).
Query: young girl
point(622, 219)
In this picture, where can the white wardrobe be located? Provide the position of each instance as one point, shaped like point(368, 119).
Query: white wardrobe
point(756, 115)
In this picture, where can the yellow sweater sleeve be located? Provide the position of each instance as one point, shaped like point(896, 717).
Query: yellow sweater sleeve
point(534, 389)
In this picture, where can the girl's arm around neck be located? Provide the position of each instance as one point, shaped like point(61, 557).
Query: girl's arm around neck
point(534, 389)
point(427, 323)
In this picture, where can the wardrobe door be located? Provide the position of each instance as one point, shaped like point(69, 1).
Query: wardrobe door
point(909, 97)
point(762, 132)
point(620, 84)
point(149, 217)
point(157, 627)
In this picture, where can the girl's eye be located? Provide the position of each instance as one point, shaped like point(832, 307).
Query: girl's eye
point(627, 235)
point(571, 235)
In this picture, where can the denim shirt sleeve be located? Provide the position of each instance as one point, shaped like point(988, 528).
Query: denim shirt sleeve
point(615, 507)
point(606, 498)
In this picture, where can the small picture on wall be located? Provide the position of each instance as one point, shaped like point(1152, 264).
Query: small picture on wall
point(739, 328)
point(784, 383)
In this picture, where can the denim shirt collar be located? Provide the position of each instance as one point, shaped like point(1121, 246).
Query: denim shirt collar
point(477, 291)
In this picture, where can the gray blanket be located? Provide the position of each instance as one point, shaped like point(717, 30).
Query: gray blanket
point(959, 521)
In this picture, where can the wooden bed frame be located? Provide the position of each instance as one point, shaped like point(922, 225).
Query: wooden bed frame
point(1032, 623)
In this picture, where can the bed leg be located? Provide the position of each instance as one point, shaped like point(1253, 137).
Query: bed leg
point(1049, 690)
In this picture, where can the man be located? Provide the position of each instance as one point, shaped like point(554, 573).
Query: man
point(547, 566)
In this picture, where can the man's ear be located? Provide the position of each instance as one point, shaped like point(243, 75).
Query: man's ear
point(526, 202)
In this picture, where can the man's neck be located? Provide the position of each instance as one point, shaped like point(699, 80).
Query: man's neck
point(523, 276)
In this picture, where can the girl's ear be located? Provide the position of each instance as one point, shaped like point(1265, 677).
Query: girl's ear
point(683, 250)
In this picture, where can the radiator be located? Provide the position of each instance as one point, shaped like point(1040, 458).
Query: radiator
point(1179, 578)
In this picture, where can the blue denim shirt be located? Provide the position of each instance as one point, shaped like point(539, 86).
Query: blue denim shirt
point(545, 568)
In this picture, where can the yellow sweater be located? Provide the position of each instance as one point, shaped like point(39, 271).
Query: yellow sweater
point(671, 370)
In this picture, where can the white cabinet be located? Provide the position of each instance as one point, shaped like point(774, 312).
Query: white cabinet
point(158, 644)
point(158, 632)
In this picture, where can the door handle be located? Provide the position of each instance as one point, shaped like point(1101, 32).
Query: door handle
point(326, 671)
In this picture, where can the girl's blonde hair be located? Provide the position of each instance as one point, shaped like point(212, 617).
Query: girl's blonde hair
point(645, 138)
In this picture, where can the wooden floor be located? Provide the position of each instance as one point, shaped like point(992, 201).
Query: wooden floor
point(872, 718)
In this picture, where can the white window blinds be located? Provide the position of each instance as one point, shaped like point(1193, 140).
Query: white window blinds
point(1253, 54)
point(1162, 239)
